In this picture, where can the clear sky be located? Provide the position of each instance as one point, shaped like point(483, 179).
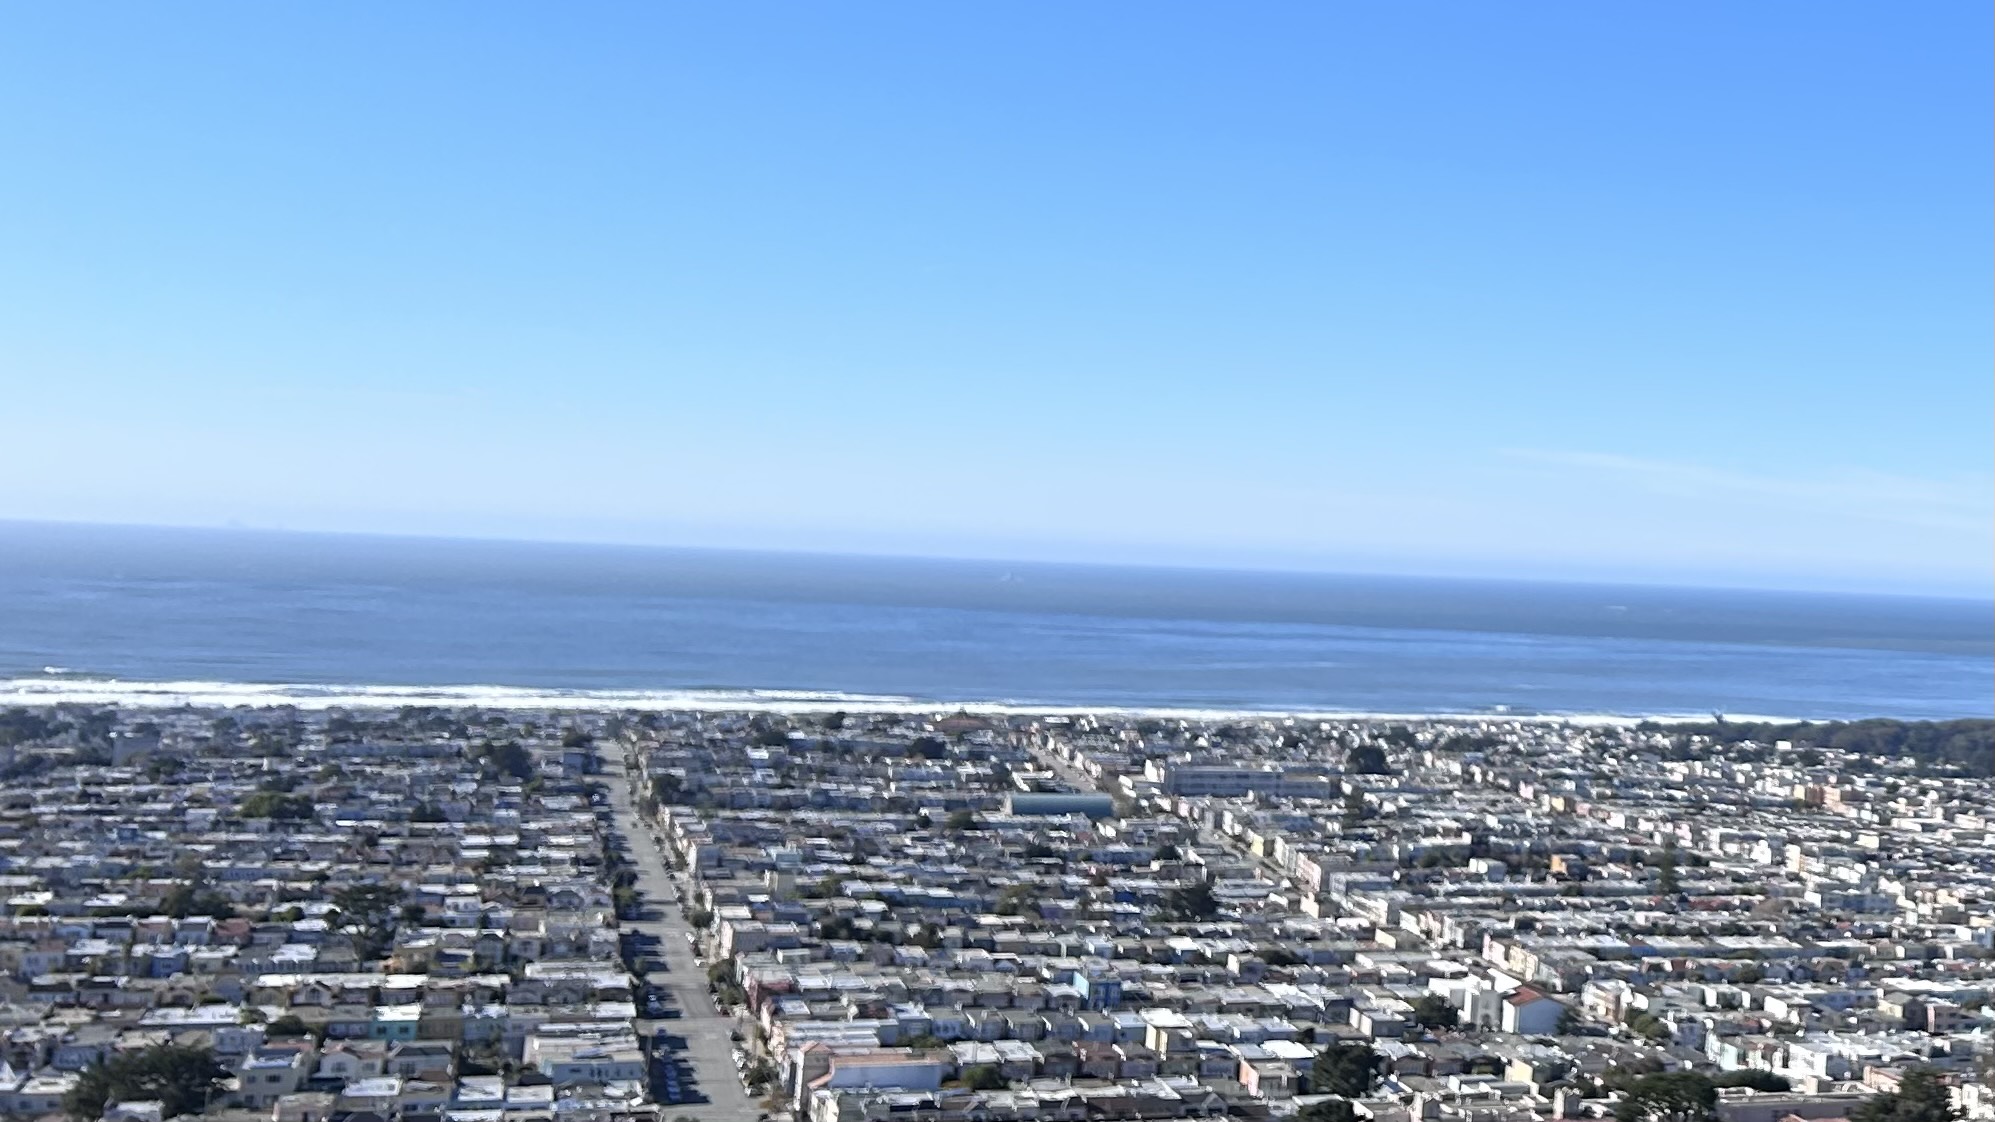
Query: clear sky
point(1691, 292)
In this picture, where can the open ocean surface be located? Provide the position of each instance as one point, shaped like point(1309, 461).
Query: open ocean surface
point(153, 616)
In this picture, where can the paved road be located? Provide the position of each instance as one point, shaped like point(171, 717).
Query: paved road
point(706, 1055)
point(1074, 778)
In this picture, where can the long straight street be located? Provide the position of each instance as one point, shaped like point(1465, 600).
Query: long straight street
point(700, 1046)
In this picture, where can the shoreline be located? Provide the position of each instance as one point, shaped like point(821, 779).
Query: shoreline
point(57, 689)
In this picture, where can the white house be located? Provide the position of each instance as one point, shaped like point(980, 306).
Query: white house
point(1530, 1013)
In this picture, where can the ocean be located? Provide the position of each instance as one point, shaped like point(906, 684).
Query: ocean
point(157, 616)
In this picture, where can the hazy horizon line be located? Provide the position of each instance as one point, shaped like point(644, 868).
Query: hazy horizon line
point(1410, 572)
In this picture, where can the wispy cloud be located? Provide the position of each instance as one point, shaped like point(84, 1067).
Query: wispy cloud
point(1958, 505)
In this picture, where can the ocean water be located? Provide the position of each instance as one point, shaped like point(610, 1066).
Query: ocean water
point(149, 615)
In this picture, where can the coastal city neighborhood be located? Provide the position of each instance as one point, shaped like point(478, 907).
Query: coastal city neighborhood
point(474, 915)
point(942, 562)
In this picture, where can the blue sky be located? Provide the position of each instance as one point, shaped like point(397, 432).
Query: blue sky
point(1669, 292)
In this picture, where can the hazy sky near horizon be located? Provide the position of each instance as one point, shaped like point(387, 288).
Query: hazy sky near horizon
point(1687, 292)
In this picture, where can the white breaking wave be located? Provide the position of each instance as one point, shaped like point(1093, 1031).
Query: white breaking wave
point(49, 691)
point(143, 694)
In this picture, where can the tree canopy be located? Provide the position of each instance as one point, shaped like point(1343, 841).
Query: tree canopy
point(1350, 1070)
point(196, 899)
point(1436, 1012)
point(506, 759)
point(1967, 744)
point(1669, 1096)
point(288, 1025)
point(984, 1077)
point(1329, 1110)
point(1753, 1077)
point(1920, 1097)
point(1190, 902)
point(1667, 881)
point(275, 804)
point(21, 726)
point(182, 1078)
point(372, 907)
point(1367, 759)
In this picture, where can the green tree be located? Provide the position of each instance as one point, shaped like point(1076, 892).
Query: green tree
point(1754, 1078)
point(984, 1077)
point(1436, 1012)
point(196, 899)
point(163, 767)
point(1921, 1097)
point(1367, 759)
point(1670, 1096)
point(372, 908)
point(1012, 900)
point(369, 905)
point(726, 990)
point(183, 1078)
point(1350, 1070)
point(1647, 1025)
point(275, 805)
point(507, 759)
point(1666, 878)
point(1191, 902)
point(290, 1024)
point(21, 726)
point(1965, 745)
point(1329, 1110)
point(1356, 810)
